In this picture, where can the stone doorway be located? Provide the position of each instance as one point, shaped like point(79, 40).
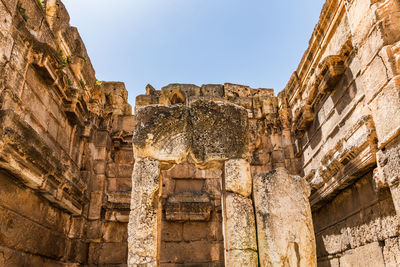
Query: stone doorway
point(191, 223)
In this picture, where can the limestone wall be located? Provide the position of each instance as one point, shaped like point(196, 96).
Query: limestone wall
point(344, 98)
point(215, 164)
point(66, 151)
point(210, 144)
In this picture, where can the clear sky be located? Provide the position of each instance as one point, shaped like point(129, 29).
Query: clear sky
point(252, 42)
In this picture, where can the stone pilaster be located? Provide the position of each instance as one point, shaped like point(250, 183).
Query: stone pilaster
point(143, 223)
point(238, 216)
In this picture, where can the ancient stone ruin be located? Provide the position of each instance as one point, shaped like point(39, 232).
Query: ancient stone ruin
point(211, 175)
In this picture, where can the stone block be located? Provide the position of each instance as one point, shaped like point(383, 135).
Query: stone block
point(100, 153)
point(40, 240)
point(107, 253)
point(238, 177)
point(6, 44)
point(188, 185)
point(97, 182)
point(5, 27)
point(334, 262)
point(386, 112)
point(239, 223)
point(284, 222)
point(126, 123)
point(119, 184)
point(215, 232)
point(9, 257)
point(391, 252)
point(183, 91)
point(187, 170)
point(213, 187)
point(102, 139)
point(209, 119)
point(96, 202)
point(171, 231)
point(240, 258)
point(193, 231)
point(162, 132)
point(188, 206)
point(333, 240)
point(93, 230)
point(77, 251)
point(119, 198)
point(168, 186)
point(99, 166)
point(77, 227)
point(31, 205)
point(185, 252)
point(212, 90)
point(125, 170)
point(111, 170)
point(361, 18)
point(366, 256)
point(114, 232)
point(124, 156)
point(217, 252)
point(375, 76)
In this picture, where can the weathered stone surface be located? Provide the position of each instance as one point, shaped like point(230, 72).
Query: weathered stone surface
point(66, 149)
point(391, 251)
point(238, 177)
point(240, 229)
point(386, 112)
point(188, 206)
point(162, 132)
point(368, 255)
point(142, 227)
point(209, 120)
point(284, 223)
point(239, 258)
point(169, 133)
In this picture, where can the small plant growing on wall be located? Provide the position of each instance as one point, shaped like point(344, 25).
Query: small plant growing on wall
point(82, 83)
point(62, 59)
point(83, 58)
point(22, 11)
point(69, 82)
point(41, 3)
point(69, 60)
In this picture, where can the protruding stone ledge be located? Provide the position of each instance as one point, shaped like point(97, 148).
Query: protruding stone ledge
point(188, 206)
point(331, 70)
point(25, 154)
point(350, 157)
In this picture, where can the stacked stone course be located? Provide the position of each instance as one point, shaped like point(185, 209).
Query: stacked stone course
point(65, 147)
point(223, 175)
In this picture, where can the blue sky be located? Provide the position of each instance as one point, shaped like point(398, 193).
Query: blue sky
point(252, 42)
